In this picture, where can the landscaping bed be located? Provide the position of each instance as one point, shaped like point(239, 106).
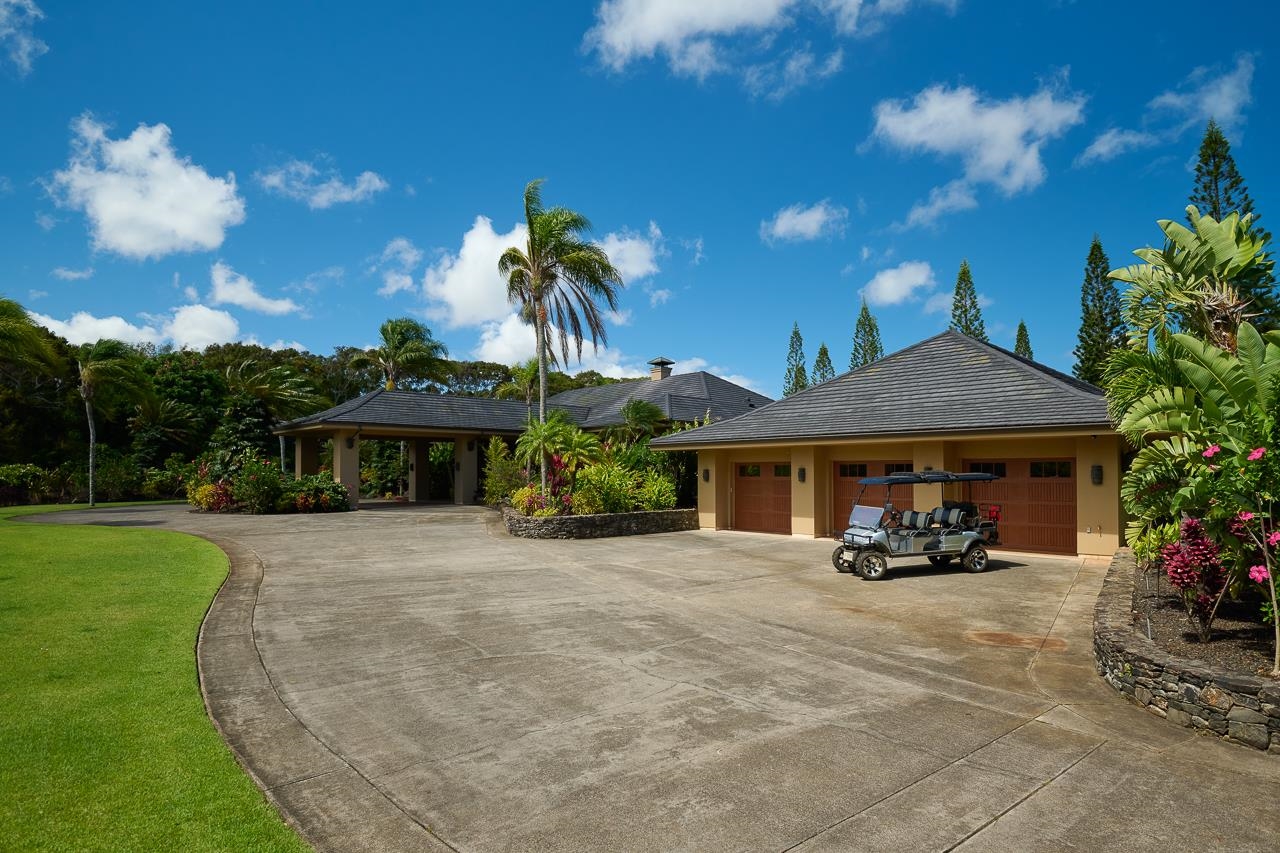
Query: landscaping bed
point(600, 525)
point(1191, 691)
point(1240, 642)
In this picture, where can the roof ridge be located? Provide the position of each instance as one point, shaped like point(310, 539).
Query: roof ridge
point(1043, 371)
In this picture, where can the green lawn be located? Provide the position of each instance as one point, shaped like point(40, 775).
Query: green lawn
point(104, 741)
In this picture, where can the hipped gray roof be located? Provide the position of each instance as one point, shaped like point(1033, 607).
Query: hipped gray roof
point(681, 398)
point(949, 383)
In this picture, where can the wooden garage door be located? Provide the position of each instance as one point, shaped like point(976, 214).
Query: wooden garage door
point(1037, 500)
point(762, 497)
point(845, 487)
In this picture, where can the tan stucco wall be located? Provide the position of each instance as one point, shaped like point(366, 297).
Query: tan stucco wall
point(1098, 513)
point(346, 463)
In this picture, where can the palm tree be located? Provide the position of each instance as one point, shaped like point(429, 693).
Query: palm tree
point(108, 364)
point(524, 383)
point(20, 339)
point(407, 350)
point(557, 274)
point(543, 439)
point(280, 392)
point(580, 449)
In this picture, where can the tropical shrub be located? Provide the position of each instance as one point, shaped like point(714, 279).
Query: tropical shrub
point(211, 497)
point(18, 483)
point(1194, 566)
point(313, 493)
point(610, 486)
point(256, 486)
point(502, 473)
point(656, 491)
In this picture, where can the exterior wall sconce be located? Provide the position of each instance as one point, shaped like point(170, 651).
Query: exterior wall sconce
point(800, 475)
point(471, 445)
point(1095, 475)
point(706, 475)
point(351, 443)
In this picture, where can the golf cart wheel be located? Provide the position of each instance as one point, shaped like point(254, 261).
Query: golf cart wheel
point(940, 560)
point(975, 559)
point(872, 566)
point(838, 562)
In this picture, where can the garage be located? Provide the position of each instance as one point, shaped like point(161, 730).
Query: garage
point(1036, 501)
point(762, 497)
point(845, 488)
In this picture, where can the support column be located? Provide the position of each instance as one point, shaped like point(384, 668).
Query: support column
point(466, 469)
point(419, 470)
point(804, 500)
point(306, 456)
point(346, 463)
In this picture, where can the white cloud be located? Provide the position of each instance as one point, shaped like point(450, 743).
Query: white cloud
point(198, 326)
point(17, 25)
point(33, 295)
point(659, 297)
point(72, 275)
point(694, 246)
point(276, 345)
point(84, 328)
point(6, 185)
point(464, 289)
point(320, 186)
point(797, 222)
point(232, 288)
point(142, 200)
point(45, 221)
point(619, 318)
point(1208, 95)
point(634, 255)
point(899, 284)
point(1113, 142)
point(315, 281)
point(997, 142)
point(398, 261)
point(707, 37)
point(511, 340)
point(779, 78)
point(191, 294)
point(948, 198)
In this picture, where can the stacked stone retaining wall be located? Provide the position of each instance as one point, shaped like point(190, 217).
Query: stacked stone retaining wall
point(1237, 707)
point(599, 526)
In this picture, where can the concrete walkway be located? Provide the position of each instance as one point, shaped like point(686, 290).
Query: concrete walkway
point(413, 679)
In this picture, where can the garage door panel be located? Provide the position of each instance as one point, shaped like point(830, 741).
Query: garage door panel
point(1037, 501)
point(762, 497)
point(845, 476)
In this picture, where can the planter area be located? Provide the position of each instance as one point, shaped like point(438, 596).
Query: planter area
point(1237, 707)
point(599, 526)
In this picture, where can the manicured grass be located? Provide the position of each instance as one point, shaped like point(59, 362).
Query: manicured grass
point(104, 741)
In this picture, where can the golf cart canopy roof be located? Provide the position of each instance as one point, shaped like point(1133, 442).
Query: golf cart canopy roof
point(907, 478)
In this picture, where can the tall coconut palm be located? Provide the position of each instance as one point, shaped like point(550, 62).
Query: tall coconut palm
point(556, 280)
point(407, 350)
point(108, 364)
point(279, 391)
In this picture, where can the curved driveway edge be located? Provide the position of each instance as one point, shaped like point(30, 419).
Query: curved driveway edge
point(318, 793)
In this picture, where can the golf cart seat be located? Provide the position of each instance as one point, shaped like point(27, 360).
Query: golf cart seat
point(913, 520)
point(948, 517)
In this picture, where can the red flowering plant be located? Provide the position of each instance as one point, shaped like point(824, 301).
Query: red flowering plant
point(1194, 567)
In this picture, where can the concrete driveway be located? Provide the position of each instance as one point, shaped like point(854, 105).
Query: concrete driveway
point(414, 679)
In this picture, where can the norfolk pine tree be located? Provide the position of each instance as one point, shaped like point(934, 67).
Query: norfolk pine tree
point(1101, 326)
point(966, 314)
point(866, 340)
point(796, 378)
point(1219, 191)
point(823, 369)
point(1022, 346)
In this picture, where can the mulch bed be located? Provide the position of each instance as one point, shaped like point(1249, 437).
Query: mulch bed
point(1240, 641)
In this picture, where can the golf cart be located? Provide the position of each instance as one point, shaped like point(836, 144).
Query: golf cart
point(878, 534)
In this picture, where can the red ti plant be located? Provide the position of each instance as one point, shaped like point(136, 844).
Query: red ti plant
point(1194, 567)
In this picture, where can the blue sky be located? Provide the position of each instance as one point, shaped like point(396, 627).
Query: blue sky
point(292, 173)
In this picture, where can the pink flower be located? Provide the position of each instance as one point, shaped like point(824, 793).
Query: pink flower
point(1258, 573)
point(1257, 453)
point(1274, 539)
point(1211, 451)
point(1245, 516)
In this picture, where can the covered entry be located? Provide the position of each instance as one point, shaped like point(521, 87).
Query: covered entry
point(1036, 499)
point(762, 497)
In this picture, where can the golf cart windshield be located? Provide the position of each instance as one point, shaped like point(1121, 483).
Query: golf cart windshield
point(865, 516)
